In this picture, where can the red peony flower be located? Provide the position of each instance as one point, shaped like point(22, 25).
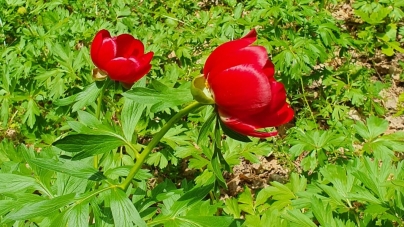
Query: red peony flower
point(241, 80)
point(121, 57)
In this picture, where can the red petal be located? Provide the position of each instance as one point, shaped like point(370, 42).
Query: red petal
point(245, 129)
point(121, 69)
point(269, 70)
point(282, 116)
point(278, 112)
point(241, 90)
point(143, 69)
point(250, 125)
point(129, 70)
point(139, 74)
point(128, 46)
point(96, 45)
point(285, 114)
point(255, 55)
point(147, 57)
point(278, 94)
point(251, 34)
point(106, 52)
point(270, 119)
point(228, 48)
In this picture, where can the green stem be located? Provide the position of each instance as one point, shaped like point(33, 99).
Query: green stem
point(99, 102)
point(156, 139)
point(307, 103)
point(98, 114)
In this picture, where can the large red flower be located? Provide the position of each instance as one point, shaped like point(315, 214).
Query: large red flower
point(121, 57)
point(241, 80)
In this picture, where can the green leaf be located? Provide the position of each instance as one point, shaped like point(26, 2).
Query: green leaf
point(89, 125)
point(333, 193)
point(211, 221)
point(295, 216)
point(88, 145)
point(142, 174)
point(190, 198)
point(206, 128)
point(364, 196)
point(376, 17)
point(158, 159)
point(387, 50)
point(298, 183)
point(123, 210)
point(88, 119)
point(78, 215)
point(67, 184)
point(131, 113)
point(6, 206)
point(66, 101)
point(262, 197)
point(374, 127)
point(369, 182)
point(232, 207)
point(238, 11)
point(396, 46)
point(88, 96)
point(216, 166)
point(231, 3)
point(206, 178)
point(398, 183)
point(322, 212)
point(391, 32)
point(4, 112)
point(341, 181)
point(246, 199)
point(297, 149)
point(31, 113)
point(376, 209)
point(280, 191)
point(159, 99)
point(79, 169)
point(310, 162)
point(41, 208)
point(12, 183)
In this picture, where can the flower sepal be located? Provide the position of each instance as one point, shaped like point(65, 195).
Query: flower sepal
point(99, 75)
point(200, 92)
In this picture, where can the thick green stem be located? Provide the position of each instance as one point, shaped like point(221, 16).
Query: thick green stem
point(156, 139)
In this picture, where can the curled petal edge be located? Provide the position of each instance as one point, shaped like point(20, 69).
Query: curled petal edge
point(96, 45)
point(227, 48)
point(128, 46)
point(245, 129)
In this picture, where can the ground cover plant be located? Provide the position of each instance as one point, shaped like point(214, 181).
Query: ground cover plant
point(118, 113)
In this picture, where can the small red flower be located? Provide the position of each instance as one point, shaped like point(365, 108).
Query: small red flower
point(121, 57)
point(241, 80)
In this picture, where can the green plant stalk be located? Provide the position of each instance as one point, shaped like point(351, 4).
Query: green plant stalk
point(307, 103)
point(99, 101)
point(156, 139)
point(98, 114)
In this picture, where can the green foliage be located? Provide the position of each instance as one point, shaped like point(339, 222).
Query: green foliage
point(360, 193)
point(380, 25)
